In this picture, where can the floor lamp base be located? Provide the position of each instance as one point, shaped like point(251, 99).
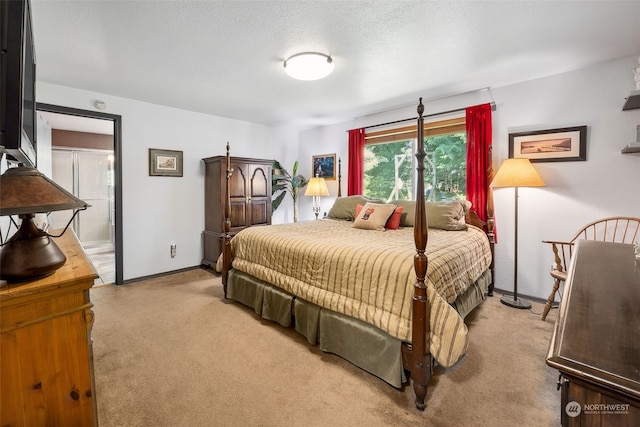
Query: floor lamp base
point(515, 302)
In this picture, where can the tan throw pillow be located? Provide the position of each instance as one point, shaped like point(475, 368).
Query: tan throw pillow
point(345, 207)
point(447, 215)
point(373, 216)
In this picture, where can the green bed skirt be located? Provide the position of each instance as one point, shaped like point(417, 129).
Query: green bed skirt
point(362, 344)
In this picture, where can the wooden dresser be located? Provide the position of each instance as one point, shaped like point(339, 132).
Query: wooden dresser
point(250, 193)
point(596, 342)
point(46, 357)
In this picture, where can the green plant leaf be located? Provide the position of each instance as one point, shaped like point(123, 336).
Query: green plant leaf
point(276, 202)
point(285, 183)
point(279, 187)
point(302, 181)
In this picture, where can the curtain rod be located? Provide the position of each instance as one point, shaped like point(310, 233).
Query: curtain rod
point(493, 108)
point(488, 89)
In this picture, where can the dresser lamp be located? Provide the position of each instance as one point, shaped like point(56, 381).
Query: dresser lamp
point(516, 173)
point(31, 253)
point(316, 187)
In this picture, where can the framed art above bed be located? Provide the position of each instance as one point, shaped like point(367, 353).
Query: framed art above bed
point(324, 166)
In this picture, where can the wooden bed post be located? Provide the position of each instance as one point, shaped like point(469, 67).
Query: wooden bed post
point(226, 240)
point(420, 356)
point(339, 177)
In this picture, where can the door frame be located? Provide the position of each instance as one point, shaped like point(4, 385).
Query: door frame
point(117, 166)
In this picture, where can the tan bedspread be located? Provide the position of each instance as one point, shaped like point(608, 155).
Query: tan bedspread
point(368, 274)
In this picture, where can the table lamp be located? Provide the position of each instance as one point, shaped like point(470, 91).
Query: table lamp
point(31, 253)
point(316, 187)
point(516, 173)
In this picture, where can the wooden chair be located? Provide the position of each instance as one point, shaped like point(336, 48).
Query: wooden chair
point(619, 229)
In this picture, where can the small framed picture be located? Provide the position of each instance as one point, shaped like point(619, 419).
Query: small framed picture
point(165, 162)
point(324, 166)
point(551, 145)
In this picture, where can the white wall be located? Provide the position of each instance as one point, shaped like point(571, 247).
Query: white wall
point(576, 193)
point(161, 210)
point(287, 138)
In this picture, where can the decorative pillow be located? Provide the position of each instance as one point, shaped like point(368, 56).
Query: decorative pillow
point(373, 216)
point(345, 207)
point(447, 215)
point(407, 218)
point(358, 209)
point(393, 223)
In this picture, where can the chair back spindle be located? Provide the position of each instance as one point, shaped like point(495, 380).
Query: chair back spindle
point(619, 229)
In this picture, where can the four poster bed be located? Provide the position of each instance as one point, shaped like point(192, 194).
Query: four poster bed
point(369, 295)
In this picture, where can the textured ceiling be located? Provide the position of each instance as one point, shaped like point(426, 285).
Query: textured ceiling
point(225, 57)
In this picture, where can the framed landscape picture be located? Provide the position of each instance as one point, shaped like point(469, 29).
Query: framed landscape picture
point(324, 166)
point(165, 162)
point(551, 145)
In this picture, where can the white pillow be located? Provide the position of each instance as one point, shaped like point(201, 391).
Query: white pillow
point(374, 216)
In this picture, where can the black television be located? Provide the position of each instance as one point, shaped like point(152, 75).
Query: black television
point(18, 125)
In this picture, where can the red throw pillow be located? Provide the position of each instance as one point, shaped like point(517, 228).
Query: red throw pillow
point(393, 223)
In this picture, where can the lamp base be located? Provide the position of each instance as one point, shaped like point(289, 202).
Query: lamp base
point(515, 302)
point(316, 211)
point(30, 254)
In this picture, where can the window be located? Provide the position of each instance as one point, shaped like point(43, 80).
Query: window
point(390, 163)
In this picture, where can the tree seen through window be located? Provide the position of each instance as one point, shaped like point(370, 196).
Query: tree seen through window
point(389, 170)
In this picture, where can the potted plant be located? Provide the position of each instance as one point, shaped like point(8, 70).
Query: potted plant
point(282, 182)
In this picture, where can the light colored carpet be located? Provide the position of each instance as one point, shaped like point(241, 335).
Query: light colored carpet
point(172, 352)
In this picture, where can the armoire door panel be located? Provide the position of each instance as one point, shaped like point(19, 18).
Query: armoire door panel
point(259, 183)
point(259, 213)
point(237, 182)
point(238, 214)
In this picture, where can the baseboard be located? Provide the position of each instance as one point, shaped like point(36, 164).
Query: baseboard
point(155, 276)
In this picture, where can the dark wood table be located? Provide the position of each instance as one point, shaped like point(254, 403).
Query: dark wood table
point(596, 342)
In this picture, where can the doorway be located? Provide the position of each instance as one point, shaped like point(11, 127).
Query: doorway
point(88, 174)
point(102, 242)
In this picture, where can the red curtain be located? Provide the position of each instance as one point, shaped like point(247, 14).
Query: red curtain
point(356, 162)
point(479, 133)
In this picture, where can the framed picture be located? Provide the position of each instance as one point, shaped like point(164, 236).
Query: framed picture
point(324, 166)
point(552, 145)
point(165, 162)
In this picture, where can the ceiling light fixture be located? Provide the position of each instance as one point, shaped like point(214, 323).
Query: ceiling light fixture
point(308, 66)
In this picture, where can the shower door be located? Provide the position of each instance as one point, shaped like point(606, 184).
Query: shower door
point(88, 174)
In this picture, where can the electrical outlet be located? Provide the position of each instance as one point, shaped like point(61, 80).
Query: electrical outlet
point(173, 250)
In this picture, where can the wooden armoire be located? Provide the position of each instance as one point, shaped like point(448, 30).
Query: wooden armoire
point(250, 194)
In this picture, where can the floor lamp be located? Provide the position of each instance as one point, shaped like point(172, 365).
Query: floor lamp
point(516, 173)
